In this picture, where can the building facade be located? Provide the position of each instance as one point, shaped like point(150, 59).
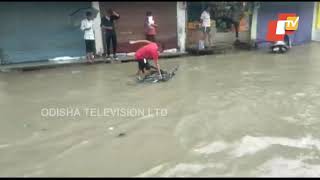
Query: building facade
point(35, 31)
point(170, 17)
point(222, 28)
point(266, 11)
point(38, 31)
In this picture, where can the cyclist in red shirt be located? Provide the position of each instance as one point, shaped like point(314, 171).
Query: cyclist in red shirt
point(144, 54)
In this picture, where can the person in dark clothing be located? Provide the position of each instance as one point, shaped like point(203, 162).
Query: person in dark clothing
point(236, 17)
point(107, 24)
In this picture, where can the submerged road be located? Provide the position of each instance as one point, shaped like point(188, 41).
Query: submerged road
point(243, 114)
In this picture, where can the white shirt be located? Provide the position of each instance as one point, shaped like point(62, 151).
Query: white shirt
point(150, 20)
point(88, 33)
point(205, 17)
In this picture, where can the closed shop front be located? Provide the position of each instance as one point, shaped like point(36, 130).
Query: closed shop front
point(35, 31)
point(222, 15)
point(130, 26)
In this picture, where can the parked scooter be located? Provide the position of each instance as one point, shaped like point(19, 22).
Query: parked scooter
point(281, 46)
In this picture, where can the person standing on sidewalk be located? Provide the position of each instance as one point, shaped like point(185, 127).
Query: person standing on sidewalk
point(150, 27)
point(87, 28)
point(107, 24)
point(205, 20)
point(237, 14)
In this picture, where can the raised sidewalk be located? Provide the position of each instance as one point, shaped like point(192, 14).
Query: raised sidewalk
point(53, 64)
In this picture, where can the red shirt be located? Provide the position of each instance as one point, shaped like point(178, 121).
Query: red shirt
point(149, 51)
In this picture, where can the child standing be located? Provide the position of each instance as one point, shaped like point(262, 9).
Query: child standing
point(87, 27)
point(150, 27)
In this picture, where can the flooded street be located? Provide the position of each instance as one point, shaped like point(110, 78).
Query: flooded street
point(242, 114)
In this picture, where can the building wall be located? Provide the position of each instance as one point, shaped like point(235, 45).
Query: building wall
point(33, 31)
point(130, 26)
point(42, 30)
point(270, 10)
point(195, 34)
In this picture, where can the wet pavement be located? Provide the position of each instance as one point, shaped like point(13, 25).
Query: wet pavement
point(242, 114)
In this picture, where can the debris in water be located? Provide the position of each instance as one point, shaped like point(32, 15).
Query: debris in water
point(75, 72)
point(65, 58)
point(111, 128)
point(121, 134)
point(5, 70)
point(174, 50)
point(131, 54)
point(4, 145)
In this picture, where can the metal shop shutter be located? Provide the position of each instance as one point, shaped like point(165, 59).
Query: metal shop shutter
point(130, 26)
point(33, 31)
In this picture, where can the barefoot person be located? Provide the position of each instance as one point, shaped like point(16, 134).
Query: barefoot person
point(144, 54)
point(205, 20)
point(150, 27)
point(87, 28)
point(237, 14)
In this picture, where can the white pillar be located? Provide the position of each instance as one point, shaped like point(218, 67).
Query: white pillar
point(315, 32)
point(97, 30)
point(181, 25)
point(254, 23)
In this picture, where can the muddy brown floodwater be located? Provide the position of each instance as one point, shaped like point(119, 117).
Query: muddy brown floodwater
point(241, 114)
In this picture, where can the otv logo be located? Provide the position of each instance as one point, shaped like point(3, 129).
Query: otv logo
point(287, 23)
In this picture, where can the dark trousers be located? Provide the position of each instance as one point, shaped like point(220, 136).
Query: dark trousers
point(236, 27)
point(111, 37)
